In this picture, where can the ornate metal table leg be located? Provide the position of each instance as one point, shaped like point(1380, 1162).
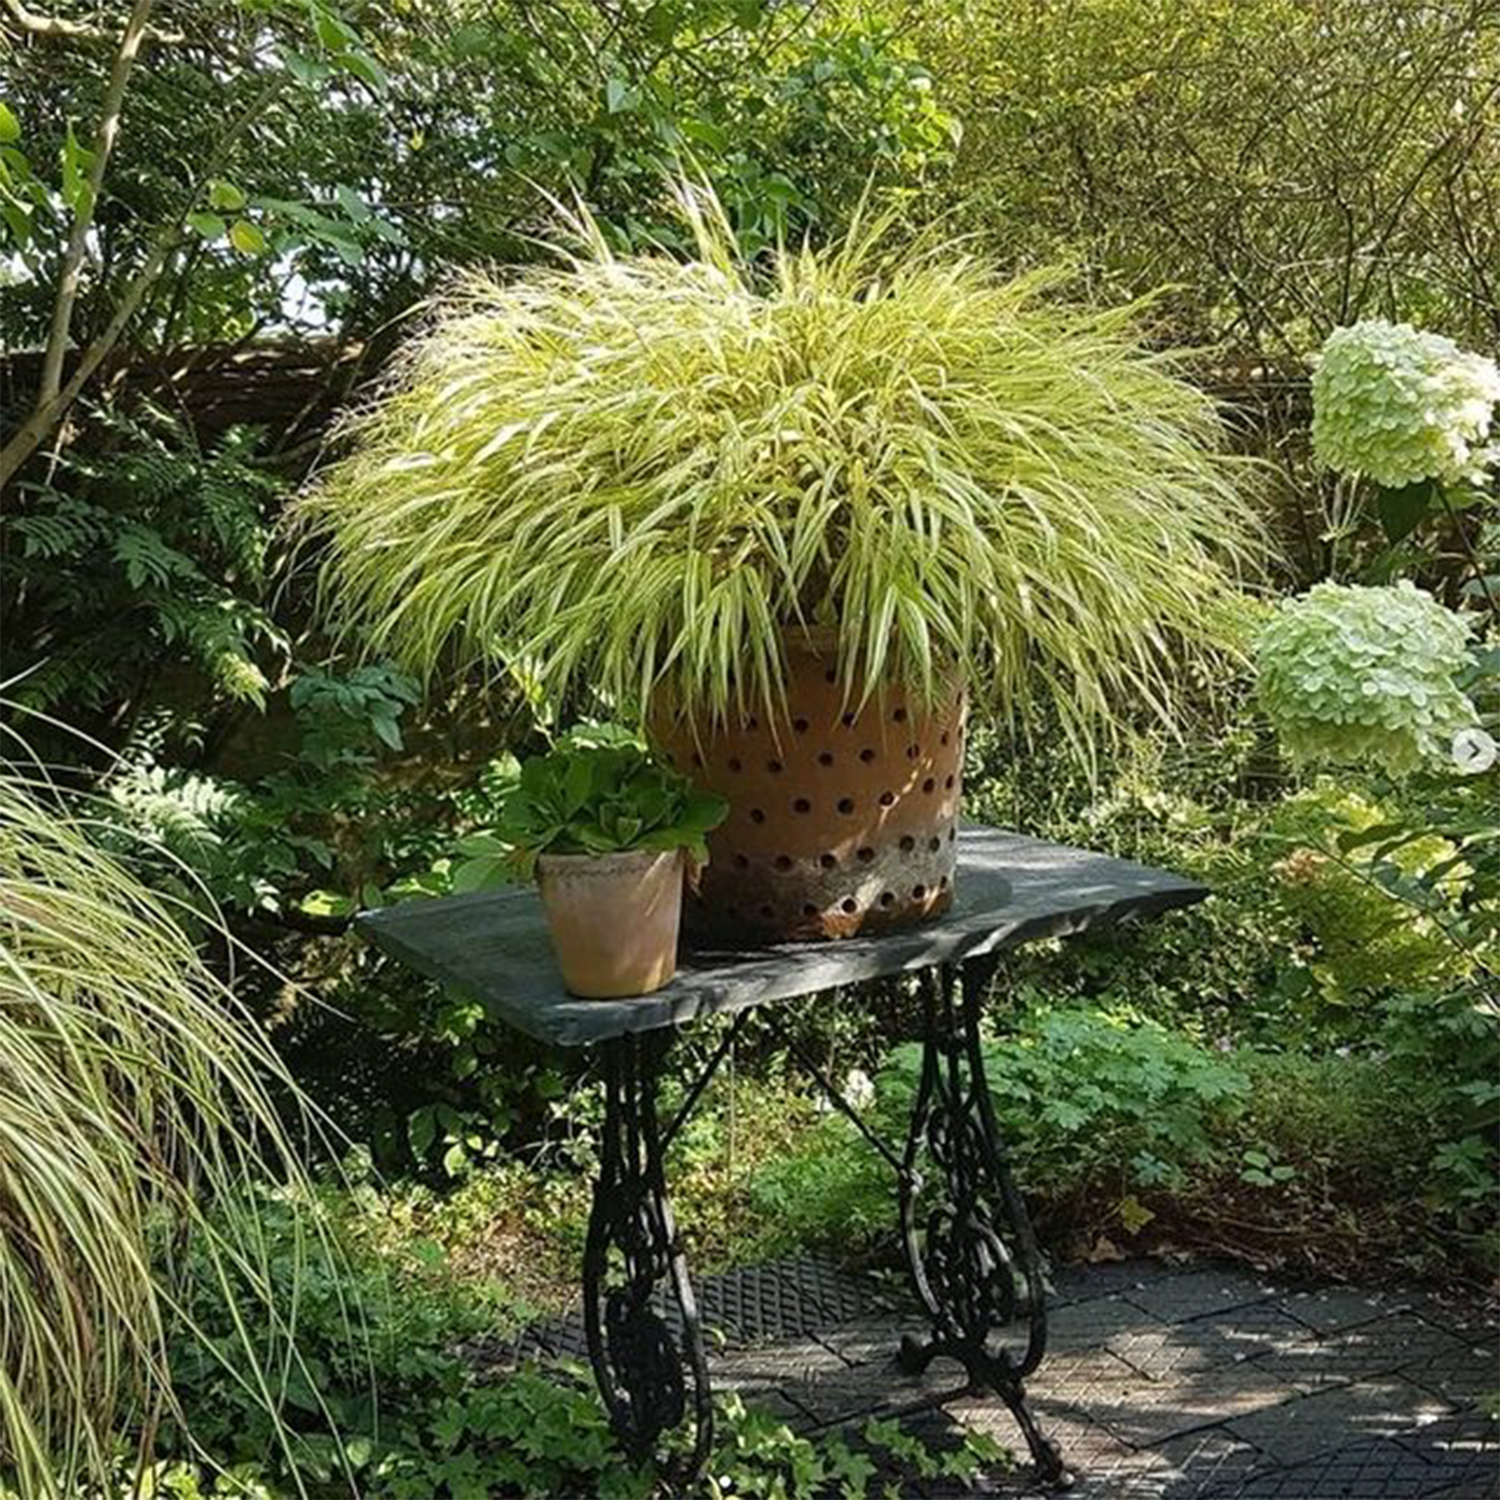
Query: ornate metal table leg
point(969, 1243)
point(647, 1374)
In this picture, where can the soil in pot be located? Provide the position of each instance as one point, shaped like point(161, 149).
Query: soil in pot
point(841, 819)
point(614, 919)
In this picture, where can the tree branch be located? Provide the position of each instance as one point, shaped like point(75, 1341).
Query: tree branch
point(59, 28)
point(84, 207)
point(48, 413)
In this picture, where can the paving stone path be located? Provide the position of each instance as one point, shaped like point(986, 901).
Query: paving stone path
point(1161, 1383)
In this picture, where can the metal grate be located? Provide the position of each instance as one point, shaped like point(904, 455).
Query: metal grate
point(781, 1299)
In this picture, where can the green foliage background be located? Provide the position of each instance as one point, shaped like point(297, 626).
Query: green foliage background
point(1301, 1070)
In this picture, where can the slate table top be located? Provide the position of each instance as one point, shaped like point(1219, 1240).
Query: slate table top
point(1011, 889)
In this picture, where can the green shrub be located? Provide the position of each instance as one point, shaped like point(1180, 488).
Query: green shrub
point(136, 562)
point(1352, 939)
point(1090, 1102)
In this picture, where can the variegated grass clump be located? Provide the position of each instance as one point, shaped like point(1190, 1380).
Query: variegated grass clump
point(637, 471)
point(134, 1114)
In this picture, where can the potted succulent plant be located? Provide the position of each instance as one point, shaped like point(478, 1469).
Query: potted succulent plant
point(608, 833)
point(794, 517)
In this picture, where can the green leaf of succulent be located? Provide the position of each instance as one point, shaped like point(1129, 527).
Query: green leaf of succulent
point(578, 781)
point(599, 797)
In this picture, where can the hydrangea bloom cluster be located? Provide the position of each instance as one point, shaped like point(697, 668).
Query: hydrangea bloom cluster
point(1349, 673)
point(1398, 406)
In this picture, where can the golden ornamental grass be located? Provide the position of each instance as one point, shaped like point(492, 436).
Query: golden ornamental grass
point(632, 470)
point(134, 1115)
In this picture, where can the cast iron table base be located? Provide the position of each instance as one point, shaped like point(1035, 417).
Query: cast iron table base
point(969, 1245)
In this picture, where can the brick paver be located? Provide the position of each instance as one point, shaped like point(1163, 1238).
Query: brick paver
point(1160, 1382)
point(1211, 1383)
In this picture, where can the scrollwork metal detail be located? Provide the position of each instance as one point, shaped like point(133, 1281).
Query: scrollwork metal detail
point(647, 1371)
point(969, 1243)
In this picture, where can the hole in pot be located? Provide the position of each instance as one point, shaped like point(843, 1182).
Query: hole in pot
point(934, 845)
point(942, 882)
point(826, 758)
point(800, 725)
point(752, 722)
point(865, 855)
point(908, 843)
point(913, 752)
point(948, 784)
point(887, 799)
point(846, 805)
point(867, 755)
point(899, 716)
point(808, 909)
point(847, 721)
point(952, 834)
point(697, 759)
point(757, 815)
point(741, 862)
point(783, 861)
point(943, 738)
point(831, 674)
point(888, 898)
point(849, 904)
point(929, 786)
point(828, 861)
point(774, 767)
point(918, 892)
point(802, 805)
point(736, 764)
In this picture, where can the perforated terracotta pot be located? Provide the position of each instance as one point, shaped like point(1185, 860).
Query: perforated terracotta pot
point(840, 821)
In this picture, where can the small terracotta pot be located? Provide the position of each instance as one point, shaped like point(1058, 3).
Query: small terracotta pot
point(614, 919)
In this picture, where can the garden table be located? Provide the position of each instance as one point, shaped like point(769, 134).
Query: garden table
point(972, 1255)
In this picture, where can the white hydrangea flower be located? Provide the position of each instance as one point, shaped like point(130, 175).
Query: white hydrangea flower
point(859, 1089)
point(1474, 751)
point(1351, 674)
point(1398, 406)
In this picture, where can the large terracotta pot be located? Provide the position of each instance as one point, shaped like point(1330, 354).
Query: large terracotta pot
point(841, 820)
point(613, 919)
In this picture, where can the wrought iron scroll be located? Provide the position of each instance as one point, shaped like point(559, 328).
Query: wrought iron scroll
point(650, 1374)
point(969, 1242)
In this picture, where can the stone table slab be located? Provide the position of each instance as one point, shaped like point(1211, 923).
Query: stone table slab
point(493, 945)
